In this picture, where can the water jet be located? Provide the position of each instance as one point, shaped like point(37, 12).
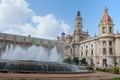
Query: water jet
point(35, 59)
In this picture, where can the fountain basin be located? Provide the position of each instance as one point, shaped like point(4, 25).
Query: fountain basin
point(38, 67)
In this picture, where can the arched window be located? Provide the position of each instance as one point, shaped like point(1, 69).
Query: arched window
point(104, 43)
point(91, 45)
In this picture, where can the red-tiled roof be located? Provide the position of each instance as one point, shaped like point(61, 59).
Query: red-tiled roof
point(106, 17)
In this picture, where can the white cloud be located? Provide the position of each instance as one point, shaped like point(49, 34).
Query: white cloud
point(50, 26)
point(13, 12)
point(15, 16)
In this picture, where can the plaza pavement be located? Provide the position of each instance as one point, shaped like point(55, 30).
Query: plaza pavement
point(34, 76)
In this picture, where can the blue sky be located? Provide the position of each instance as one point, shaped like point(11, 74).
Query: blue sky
point(91, 11)
point(48, 18)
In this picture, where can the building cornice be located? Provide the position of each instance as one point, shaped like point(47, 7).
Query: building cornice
point(117, 35)
point(89, 40)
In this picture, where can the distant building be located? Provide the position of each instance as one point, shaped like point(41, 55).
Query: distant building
point(102, 50)
point(25, 42)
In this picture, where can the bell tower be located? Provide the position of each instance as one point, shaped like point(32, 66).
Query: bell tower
point(78, 27)
point(78, 24)
point(106, 26)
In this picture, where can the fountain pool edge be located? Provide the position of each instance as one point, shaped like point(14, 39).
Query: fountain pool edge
point(38, 67)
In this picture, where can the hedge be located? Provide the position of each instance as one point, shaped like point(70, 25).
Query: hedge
point(89, 68)
point(111, 70)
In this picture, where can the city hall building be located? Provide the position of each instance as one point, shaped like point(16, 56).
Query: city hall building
point(102, 50)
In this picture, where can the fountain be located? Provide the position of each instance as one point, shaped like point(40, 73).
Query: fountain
point(35, 59)
point(33, 53)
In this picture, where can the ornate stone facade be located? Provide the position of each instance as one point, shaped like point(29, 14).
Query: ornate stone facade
point(102, 50)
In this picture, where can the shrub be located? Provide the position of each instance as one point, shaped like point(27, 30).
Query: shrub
point(112, 70)
point(68, 60)
point(89, 67)
point(116, 71)
point(100, 69)
point(109, 70)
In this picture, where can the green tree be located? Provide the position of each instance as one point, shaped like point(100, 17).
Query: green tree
point(83, 61)
point(76, 60)
point(68, 60)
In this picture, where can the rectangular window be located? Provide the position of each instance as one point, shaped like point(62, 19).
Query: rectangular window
point(110, 51)
point(86, 53)
point(86, 46)
point(110, 43)
point(104, 51)
point(110, 30)
point(91, 52)
point(104, 29)
point(81, 53)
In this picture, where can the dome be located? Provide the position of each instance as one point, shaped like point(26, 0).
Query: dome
point(63, 33)
point(106, 17)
